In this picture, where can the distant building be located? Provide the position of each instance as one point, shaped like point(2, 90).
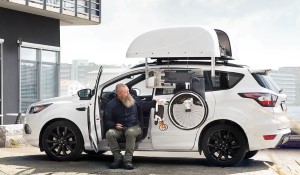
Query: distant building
point(65, 71)
point(295, 71)
point(30, 48)
point(74, 87)
point(107, 74)
point(288, 83)
point(86, 73)
point(70, 87)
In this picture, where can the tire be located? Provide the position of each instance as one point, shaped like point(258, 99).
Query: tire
point(250, 154)
point(224, 145)
point(62, 140)
point(187, 110)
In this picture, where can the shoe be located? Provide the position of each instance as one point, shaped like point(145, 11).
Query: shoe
point(128, 165)
point(117, 163)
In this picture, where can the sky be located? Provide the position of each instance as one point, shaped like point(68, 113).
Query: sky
point(265, 33)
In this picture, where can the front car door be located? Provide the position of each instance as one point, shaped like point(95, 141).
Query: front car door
point(106, 93)
point(93, 116)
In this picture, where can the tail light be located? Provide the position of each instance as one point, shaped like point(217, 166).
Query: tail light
point(269, 137)
point(264, 99)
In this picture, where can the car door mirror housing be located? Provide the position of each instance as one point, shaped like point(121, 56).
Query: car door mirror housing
point(85, 94)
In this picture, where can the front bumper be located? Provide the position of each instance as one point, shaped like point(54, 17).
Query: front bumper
point(27, 129)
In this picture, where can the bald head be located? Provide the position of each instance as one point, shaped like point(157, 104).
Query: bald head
point(121, 89)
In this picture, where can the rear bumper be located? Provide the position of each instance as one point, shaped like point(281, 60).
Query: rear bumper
point(285, 138)
point(257, 141)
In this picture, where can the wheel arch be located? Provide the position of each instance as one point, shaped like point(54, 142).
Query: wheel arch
point(222, 121)
point(50, 122)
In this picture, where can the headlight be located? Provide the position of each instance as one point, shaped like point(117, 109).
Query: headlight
point(37, 109)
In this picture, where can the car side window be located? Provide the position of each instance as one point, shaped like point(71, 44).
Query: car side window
point(141, 86)
point(224, 80)
point(136, 81)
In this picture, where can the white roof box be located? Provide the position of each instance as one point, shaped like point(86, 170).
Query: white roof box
point(192, 42)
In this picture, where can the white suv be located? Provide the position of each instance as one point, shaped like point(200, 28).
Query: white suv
point(226, 111)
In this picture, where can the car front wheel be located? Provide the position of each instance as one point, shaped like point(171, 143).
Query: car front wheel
point(62, 140)
point(224, 145)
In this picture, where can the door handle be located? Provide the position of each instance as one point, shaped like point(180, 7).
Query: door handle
point(81, 109)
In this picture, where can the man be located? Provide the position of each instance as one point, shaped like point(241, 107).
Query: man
point(122, 120)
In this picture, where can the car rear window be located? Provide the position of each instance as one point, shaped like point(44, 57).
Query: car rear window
point(266, 81)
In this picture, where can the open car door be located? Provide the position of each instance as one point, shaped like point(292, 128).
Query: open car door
point(93, 116)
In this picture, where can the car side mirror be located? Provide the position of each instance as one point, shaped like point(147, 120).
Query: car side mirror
point(85, 94)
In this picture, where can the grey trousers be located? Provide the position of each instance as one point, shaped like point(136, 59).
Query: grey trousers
point(130, 134)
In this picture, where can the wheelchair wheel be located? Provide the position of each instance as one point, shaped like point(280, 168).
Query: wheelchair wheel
point(187, 110)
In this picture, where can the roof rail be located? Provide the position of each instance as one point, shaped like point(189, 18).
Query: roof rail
point(177, 62)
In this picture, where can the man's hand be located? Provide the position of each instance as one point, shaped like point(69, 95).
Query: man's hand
point(119, 126)
point(158, 102)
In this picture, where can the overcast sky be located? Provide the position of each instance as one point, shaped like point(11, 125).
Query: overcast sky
point(266, 33)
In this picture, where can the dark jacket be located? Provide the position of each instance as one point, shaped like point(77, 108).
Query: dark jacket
point(116, 112)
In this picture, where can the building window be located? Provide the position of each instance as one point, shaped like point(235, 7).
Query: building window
point(39, 71)
point(49, 76)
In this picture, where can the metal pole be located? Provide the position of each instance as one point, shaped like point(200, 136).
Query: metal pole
point(27, 2)
point(1, 77)
point(19, 72)
point(213, 64)
point(44, 4)
point(147, 72)
point(90, 9)
point(75, 8)
point(61, 6)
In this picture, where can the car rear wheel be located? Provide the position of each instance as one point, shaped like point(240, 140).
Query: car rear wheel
point(224, 145)
point(250, 154)
point(62, 140)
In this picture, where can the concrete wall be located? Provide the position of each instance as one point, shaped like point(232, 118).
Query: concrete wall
point(11, 136)
point(31, 28)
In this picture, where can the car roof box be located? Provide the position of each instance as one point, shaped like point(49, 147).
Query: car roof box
point(182, 42)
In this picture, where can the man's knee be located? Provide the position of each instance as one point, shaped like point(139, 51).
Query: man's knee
point(111, 134)
point(131, 132)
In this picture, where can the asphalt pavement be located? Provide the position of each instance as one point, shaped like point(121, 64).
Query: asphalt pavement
point(29, 160)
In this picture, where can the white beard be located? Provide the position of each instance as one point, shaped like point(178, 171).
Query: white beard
point(127, 101)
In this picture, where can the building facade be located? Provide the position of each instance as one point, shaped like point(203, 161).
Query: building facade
point(296, 72)
point(30, 48)
point(287, 82)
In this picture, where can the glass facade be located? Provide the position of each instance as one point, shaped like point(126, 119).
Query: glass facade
point(38, 75)
point(49, 76)
point(84, 7)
